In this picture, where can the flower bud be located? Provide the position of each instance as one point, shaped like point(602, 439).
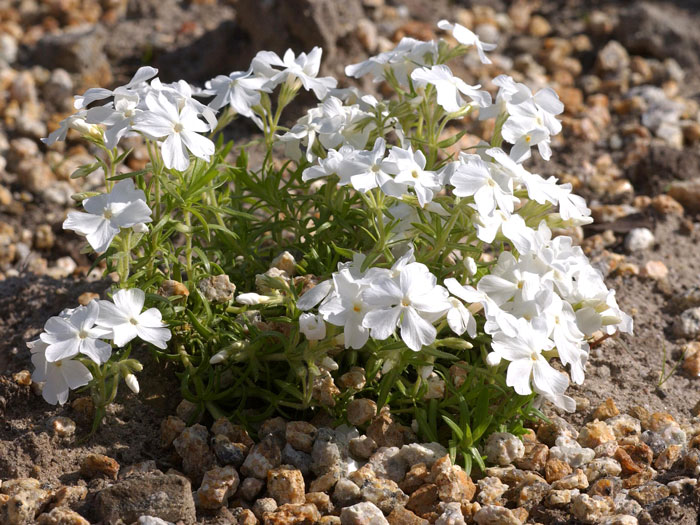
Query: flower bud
point(455, 343)
point(470, 265)
point(312, 326)
point(493, 359)
point(218, 357)
point(329, 364)
point(132, 383)
point(252, 298)
point(140, 228)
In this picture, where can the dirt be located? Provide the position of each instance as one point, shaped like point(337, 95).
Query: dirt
point(627, 368)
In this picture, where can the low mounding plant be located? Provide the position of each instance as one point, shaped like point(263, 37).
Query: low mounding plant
point(372, 259)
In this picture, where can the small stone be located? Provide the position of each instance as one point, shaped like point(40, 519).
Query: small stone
point(606, 410)
point(571, 452)
point(188, 411)
point(424, 501)
point(601, 467)
point(325, 481)
point(502, 448)
point(345, 493)
point(385, 432)
point(98, 465)
point(250, 488)
point(286, 485)
point(62, 426)
point(539, 26)
point(285, 261)
point(426, 453)
point(360, 411)
point(450, 514)
point(638, 479)
point(217, 486)
point(217, 288)
point(165, 496)
point(264, 506)
point(415, 478)
point(490, 490)
point(679, 486)
point(364, 513)
point(628, 466)
point(668, 457)
point(170, 288)
point(262, 458)
point(640, 453)
point(613, 57)
point(301, 460)
point(192, 445)
point(355, 378)
point(639, 239)
point(577, 480)
point(22, 378)
point(691, 364)
point(624, 425)
point(301, 435)
point(85, 298)
point(606, 450)
point(20, 500)
point(560, 498)
point(388, 463)
point(656, 270)
point(403, 516)
point(556, 469)
point(494, 515)
point(591, 509)
point(275, 428)
point(366, 33)
point(666, 205)
point(595, 433)
point(535, 457)
point(325, 453)
point(384, 493)
point(170, 428)
point(362, 447)
point(548, 433)
point(452, 482)
point(44, 237)
point(235, 433)
point(320, 500)
point(649, 493)
point(62, 516)
point(243, 516)
point(229, 453)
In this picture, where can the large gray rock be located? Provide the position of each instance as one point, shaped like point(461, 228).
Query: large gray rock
point(165, 496)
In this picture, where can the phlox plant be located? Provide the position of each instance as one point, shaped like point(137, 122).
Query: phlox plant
point(370, 258)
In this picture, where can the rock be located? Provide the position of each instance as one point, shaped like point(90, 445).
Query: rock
point(229, 453)
point(621, 519)
point(687, 325)
point(686, 193)
point(250, 488)
point(77, 50)
point(535, 457)
point(320, 500)
point(360, 411)
point(571, 452)
point(98, 465)
point(308, 22)
point(264, 506)
point(424, 501)
point(286, 485)
point(291, 513)
point(668, 457)
point(325, 453)
point(362, 447)
point(166, 496)
point(170, 288)
point(170, 428)
point(345, 493)
point(217, 486)
point(490, 490)
point(62, 516)
point(606, 410)
point(385, 432)
point(403, 516)
point(503, 448)
point(556, 469)
point(595, 433)
point(560, 498)
point(301, 435)
point(639, 239)
point(235, 433)
point(577, 480)
point(493, 515)
point(20, 501)
point(612, 58)
point(355, 378)
point(188, 411)
point(137, 469)
point(649, 493)
point(548, 433)
point(591, 509)
point(601, 467)
point(263, 457)
point(624, 425)
point(192, 445)
point(452, 482)
point(388, 463)
point(415, 478)
point(366, 33)
point(300, 460)
point(364, 513)
point(217, 288)
point(384, 493)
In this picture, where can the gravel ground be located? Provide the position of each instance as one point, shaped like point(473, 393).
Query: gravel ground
point(629, 74)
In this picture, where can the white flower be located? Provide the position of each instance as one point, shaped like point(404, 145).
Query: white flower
point(179, 127)
point(312, 326)
point(409, 170)
point(465, 37)
point(408, 54)
point(490, 188)
point(143, 74)
point(76, 122)
point(303, 67)
point(449, 87)
point(123, 207)
point(240, 90)
point(76, 334)
point(341, 163)
point(315, 295)
point(413, 300)
point(59, 377)
point(126, 320)
point(347, 308)
point(527, 363)
point(118, 119)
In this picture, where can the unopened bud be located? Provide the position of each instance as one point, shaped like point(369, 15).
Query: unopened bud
point(132, 383)
point(218, 357)
point(470, 265)
point(493, 359)
point(252, 298)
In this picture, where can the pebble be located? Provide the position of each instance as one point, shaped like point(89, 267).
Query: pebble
point(62, 516)
point(427, 453)
point(217, 486)
point(424, 501)
point(649, 493)
point(595, 433)
point(495, 515)
point(560, 497)
point(170, 428)
point(325, 453)
point(639, 239)
point(687, 325)
point(345, 493)
point(388, 463)
point(229, 453)
point(490, 490)
point(384, 493)
point(591, 509)
point(262, 458)
point(286, 485)
point(601, 467)
point(62, 426)
point(217, 288)
point(503, 448)
point(364, 513)
point(362, 447)
point(360, 411)
point(403, 516)
point(571, 452)
point(606, 410)
point(301, 435)
point(192, 445)
point(99, 465)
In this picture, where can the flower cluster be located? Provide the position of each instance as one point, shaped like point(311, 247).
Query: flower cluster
point(80, 336)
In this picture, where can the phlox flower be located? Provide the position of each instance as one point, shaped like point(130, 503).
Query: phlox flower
point(527, 363)
point(467, 38)
point(179, 127)
point(449, 87)
point(59, 377)
point(340, 163)
point(347, 308)
point(302, 67)
point(408, 168)
point(142, 75)
point(240, 90)
point(123, 315)
point(459, 318)
point(312, 326)
point(123, 207)
point(408, 54)
point(490, 188)
point(118, 119)
point(75, 334)
point(77, 122)
point(412, 301)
